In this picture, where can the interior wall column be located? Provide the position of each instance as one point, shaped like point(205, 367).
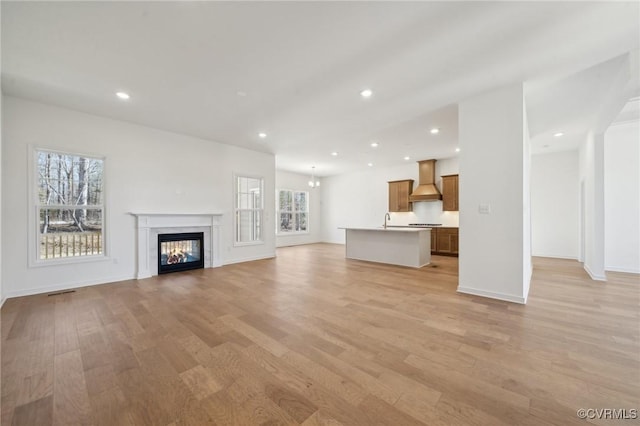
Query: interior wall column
point(592, 174)
point(495, 233)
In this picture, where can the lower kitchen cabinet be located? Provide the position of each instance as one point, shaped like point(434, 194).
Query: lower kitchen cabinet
point(444, 241)
point(434, 240)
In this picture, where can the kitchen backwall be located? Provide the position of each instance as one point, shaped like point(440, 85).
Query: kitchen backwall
point(361, 199)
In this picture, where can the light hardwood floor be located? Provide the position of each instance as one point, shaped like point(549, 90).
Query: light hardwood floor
point(311, 338)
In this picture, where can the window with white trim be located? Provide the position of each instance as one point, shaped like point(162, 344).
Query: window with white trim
point(69, 204)
point(293, 212)
point(249, 210)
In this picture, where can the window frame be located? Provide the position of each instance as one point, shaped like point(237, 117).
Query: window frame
point(293, 211)
point(33, 217)
point(237, 209)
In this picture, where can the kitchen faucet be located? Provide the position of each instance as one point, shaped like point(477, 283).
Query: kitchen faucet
point(386, 216)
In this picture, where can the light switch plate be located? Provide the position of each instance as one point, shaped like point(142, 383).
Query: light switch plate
point(484, 208)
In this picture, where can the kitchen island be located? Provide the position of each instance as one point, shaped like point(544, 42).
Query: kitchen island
point(396, 246)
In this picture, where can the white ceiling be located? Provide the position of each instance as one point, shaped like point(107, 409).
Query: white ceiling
point(301, 66)
point(588, 100)
point(630, 112)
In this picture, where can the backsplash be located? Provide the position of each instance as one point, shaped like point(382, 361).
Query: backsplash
point(426, 212)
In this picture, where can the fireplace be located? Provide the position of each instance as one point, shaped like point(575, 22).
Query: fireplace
point(180, 252)
point(150, 225)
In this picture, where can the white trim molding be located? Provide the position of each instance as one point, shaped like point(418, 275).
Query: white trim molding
point(623, 270)
point(249, 259)
point(67, 286)
point(556, 256)
point(492, 295)
point(149, 225)
point(593, 276)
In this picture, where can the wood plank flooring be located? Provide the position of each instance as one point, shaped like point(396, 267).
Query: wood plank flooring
point(311, 338)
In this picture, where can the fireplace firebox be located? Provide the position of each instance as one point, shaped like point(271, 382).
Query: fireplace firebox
point(180, 252)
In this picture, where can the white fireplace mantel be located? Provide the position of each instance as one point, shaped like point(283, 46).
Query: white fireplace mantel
point(149, 225)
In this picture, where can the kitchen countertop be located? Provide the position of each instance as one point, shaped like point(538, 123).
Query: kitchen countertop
point(389, 229)
point(418, 227)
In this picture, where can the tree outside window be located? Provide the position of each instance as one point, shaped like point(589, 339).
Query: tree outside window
point(70, 205)
point(293, 211)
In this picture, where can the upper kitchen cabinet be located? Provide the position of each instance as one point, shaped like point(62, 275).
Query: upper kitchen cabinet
point(399, 192)
point(450, 193)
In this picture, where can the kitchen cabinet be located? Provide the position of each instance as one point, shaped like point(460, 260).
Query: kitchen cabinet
point(444, 241)
point(450, 193)
point(399, 192)
point(434, 240)
point(396, 246)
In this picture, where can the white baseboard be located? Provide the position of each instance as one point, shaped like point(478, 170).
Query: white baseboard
point(500, 296)
point(87, 283)
point(554, 256)
point(297, 244)
point(340, 243)
point(249, 259)
point(625, 270)
point(593, 276)
point(527, 279)
point(67, 286)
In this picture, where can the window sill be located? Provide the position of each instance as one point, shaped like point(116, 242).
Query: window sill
point(68, 261)
point(291, 234)
point(249, 243)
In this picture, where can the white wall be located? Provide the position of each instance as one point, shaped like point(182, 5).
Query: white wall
point(362, 198)
point(591, 161)
point(493, 172)
point(2, 292)
point(147, 170)
point(622, 198)
point(298, 182)
point(555, 218)
point(527, 264)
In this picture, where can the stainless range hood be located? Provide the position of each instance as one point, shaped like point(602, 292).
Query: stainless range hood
point(426, 189)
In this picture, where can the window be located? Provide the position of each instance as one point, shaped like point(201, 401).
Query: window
point(293, 212)
point(69, 206)
point(249, 209)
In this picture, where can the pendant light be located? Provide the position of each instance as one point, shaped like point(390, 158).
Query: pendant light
point(313, 183)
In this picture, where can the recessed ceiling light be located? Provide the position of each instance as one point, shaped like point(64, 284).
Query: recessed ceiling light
point(374, 144)
point(557, 135)
point(262, 135)
point(334, 153)
point(241, 93)
point(123, 95)
point(407, 158)
point(366, 93)
point(457, 149)
point(435, 131)
point(370, 164)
